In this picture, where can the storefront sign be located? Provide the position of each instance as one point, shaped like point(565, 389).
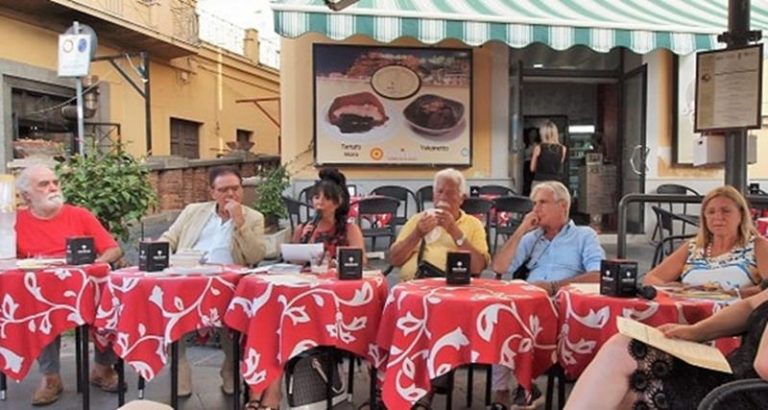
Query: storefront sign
point(74, 55)
point(728, 89)
point(392, 105)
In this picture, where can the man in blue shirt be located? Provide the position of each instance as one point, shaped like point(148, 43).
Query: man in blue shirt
point(556, 252)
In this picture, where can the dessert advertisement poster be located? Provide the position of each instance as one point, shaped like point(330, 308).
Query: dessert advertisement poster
point(392, 105)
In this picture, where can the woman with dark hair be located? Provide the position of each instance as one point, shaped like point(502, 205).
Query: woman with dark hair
point(331, 226)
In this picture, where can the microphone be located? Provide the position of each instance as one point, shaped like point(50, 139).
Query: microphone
point(646, 292)
point(313, 222)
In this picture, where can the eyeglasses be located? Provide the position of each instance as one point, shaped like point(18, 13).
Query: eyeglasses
point(225, 189)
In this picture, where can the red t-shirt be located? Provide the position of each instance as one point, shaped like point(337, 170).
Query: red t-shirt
point(47, 237)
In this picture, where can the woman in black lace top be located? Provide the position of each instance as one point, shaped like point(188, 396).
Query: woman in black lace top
point(629, 374)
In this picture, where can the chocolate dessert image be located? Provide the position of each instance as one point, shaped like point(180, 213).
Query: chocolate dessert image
point(433, 114)
point(358, 112)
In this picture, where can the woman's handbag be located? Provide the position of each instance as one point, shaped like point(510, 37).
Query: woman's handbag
point(306, 380)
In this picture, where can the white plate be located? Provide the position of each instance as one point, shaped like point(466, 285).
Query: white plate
point(193, 270)
point(35, 264)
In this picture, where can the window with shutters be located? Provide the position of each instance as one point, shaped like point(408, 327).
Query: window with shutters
point(185, 138)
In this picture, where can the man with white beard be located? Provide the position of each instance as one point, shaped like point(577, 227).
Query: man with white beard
point(41, 231)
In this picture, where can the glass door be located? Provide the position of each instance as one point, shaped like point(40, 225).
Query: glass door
point(633, 141)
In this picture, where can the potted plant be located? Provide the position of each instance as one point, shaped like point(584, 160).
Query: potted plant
point(269, 201)
point(269, 196)
point(111, 184)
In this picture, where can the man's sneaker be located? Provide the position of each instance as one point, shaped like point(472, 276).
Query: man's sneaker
point(519, 402)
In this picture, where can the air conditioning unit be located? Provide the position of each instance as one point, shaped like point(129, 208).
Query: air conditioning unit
point(710, 150)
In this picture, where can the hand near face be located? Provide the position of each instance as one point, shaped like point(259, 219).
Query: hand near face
point(235, 211)
point(447, 221)
point(427, 222)
point(307, 230)
point(530, 222)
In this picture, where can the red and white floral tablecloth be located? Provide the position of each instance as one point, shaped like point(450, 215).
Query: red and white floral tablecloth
point(428, 329)
point(284, 315)
point(38, 305)
point(144, 312)
point(587, 320)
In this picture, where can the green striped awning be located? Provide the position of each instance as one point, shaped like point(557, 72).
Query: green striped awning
point(682, 26)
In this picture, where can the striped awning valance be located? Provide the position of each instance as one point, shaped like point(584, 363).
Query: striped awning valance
point(682, 26)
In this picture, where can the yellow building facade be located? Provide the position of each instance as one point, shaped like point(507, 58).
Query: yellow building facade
point(191, 83)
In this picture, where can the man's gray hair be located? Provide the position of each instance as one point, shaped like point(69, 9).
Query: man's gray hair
point(454, 175)
point(559, 191)
point(22, 181)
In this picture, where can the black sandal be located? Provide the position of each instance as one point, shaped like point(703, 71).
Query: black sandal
point(498, 406)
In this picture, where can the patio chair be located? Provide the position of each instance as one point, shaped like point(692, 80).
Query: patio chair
point(423, 195)
point(718, 397)
point(402, 194)
point(670, 206)
point(666, 223)
point(499, 190)
point(515, 207)
point(665, 247)
point(369, 211)
point(481, 209)
point(295, 209)
point(306, 194)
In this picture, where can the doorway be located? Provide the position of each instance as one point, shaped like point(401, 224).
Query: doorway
point(604, 111)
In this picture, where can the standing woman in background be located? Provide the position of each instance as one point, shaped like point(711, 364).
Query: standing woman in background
point(548, 157)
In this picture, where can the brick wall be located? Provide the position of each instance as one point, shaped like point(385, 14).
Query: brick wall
point(179, 181)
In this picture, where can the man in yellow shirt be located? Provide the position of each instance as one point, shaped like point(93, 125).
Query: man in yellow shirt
point(441, 230)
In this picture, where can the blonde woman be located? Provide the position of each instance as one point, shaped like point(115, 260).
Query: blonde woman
point(727, 250)
point(548, 157)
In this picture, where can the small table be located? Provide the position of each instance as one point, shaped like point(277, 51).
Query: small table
point(588, 320)
point(282, 316)
point(429, 328)
point(145, 312)
point(38, 305)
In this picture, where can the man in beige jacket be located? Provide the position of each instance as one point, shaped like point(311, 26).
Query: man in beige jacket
point(228, 233)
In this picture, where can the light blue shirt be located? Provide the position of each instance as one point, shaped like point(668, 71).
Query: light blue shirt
point(215, 239)
point(573, 251)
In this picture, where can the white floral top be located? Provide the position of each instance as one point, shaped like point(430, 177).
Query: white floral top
point(730, 270)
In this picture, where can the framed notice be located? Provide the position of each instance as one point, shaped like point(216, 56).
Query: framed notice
point(728, 89)
point(392, 105)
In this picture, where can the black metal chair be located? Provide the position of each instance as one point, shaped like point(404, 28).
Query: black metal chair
point(499, 190)
point(665, 247)
point(665, 220)
point(718, 397)
point(306, 194)
point(423, 195)
point(481, 209)
point(516, 207)
point(295, 209)
point(402, 194)
point(368, 217)
point(677, 189)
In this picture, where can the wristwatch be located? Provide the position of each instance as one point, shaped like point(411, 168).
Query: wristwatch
point(460, 241)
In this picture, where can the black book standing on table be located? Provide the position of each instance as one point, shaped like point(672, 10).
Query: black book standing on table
point(457, 268)
point(350, 263)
